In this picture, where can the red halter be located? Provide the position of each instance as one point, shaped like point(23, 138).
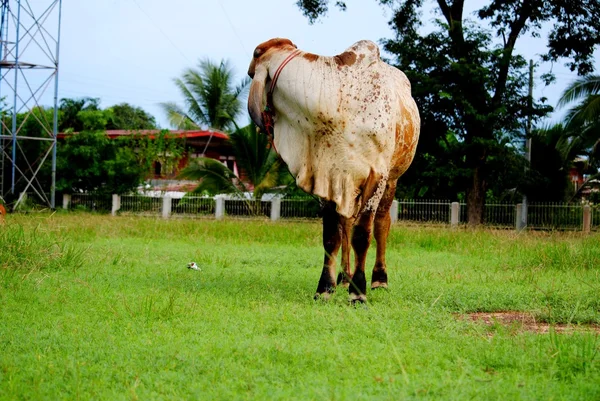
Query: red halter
point(269, 111)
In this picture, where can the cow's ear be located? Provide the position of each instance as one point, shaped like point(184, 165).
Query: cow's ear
point(257, 96)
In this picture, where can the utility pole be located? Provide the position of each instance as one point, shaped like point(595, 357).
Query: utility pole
point(528, 141)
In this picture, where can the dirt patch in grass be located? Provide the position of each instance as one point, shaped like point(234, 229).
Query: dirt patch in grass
point(526, 322)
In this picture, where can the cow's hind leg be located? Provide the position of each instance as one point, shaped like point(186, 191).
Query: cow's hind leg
point(361, 239)
point(381, 231)
point(332, 239)
point(346, 274)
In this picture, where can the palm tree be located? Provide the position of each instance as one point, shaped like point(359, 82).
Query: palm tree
point(583, 120)
point(580, 132)
point(261, 166)
point(210, 97)
point(588, 90)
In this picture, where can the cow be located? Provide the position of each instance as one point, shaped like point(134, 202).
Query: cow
point(347, 127)
point(2, 213)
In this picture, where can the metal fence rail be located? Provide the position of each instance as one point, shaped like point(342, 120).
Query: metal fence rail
point(247, 208)
point(91, 202)
point(300, 208)
point(141, 204)
point(424, 210)
point(499, 215)
point(193, 206)
point(555, 216)
point(542, 216)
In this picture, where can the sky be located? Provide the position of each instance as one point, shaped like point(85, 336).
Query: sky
point(131, 50)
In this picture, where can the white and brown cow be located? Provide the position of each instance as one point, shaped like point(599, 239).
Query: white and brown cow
point(347, 127)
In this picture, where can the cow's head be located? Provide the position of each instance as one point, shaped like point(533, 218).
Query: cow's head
point(259, 72)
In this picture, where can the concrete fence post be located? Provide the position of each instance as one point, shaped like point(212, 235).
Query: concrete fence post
point(454, 214)
point(519, 217)
point(275, 209)
point(587, 219)
point(22, 199)
point(66, 201)
point(219, 207)
point(116, 204)
point(166, 207)
point(394, 211)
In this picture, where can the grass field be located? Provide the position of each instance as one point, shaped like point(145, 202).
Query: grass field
point(94, 307)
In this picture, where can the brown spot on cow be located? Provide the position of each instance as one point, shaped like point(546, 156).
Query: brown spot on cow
point(345, 59)
point(398, 132)
point(370, 47)
point(310, 57)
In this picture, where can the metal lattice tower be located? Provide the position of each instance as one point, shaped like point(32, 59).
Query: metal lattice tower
point(29, 49)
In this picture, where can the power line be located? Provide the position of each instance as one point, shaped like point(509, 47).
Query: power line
point(162, 32)
point(116, 85)
point(234, 30)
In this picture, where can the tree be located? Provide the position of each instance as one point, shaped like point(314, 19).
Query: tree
point(587, 90)
point(468, 81)
point(102, 165)
point(162, 147)
point(260, 168)
point(107, 165)
point(69, 109)
point(128, 117)
point(583, 120)
point(552, 154)
point(211, 100)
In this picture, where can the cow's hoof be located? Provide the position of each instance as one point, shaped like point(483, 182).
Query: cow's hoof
point(324, 296)
point(379, 284)
point(343, 280)
point(358, 298)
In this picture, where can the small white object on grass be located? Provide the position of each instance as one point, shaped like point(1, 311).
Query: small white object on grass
point(193, 266)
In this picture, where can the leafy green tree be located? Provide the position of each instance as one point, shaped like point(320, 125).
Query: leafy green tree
point(211, 98)
point(105, 165)
point(162, 147)
point(552, 154)
point(128, 117)
point(468, 80)
point(69, 109)
point(89, 160)
point(102, 165)
point(260, 168)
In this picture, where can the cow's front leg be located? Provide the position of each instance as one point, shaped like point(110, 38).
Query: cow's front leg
point(361, 239)
point(332, 239)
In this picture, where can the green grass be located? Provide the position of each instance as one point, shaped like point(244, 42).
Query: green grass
point(94, 307)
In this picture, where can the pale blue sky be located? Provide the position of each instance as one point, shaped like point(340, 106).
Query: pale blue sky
point(130, 50)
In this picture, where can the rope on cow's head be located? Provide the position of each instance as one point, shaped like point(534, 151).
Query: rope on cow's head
point(269, 111)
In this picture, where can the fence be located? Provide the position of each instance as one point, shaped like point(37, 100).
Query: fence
point(542, 216)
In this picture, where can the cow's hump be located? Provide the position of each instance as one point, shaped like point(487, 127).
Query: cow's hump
point(361, 53)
